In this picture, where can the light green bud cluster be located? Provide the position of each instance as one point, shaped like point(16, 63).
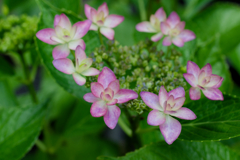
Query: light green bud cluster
point(16, 33)
point(141, 67)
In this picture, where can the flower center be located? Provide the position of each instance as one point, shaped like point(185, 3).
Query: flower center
point(65, 32)
point(107, 95)
point(170, 103)
point(174, 32)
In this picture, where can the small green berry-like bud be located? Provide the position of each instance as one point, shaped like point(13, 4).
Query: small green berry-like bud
point(98, 59)
point(147, 69)
point(104, 56)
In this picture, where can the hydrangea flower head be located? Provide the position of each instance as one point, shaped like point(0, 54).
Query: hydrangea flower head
point(173, 28)
point(82, 66)
point(105, 95)
point(64, 35)
point(203, 80)
point(154, 25)
point(101, 19)
point(165, 105)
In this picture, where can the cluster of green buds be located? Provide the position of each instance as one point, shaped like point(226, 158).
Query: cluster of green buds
point(141, 67)
point(16, 33)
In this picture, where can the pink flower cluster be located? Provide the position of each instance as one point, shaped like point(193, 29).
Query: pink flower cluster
point(106, 93)
point(171, 27)
point(68, 37)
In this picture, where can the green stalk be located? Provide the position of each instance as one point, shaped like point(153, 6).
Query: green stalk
point(100, 36)
point(134, 121)
point(28, 79)
point(124, 127)
point(41, 145)
point(142, 10)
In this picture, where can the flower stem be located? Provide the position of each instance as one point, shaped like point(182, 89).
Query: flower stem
point(134, 121)
point(41, 145)
point(143, 13)
point(28, 79)
point(100, 36)
point(124, 127)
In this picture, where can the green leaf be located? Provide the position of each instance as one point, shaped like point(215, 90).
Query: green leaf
point(6, 69)
point(234, 57)
point(45, 50)
point(180, 151)
point(219, 22)
point(19, 128)
point(7, 98)
point(216, 120)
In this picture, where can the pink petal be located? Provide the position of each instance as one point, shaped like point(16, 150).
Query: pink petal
point(156, 37)
point(80, 55)
point(103, 8)
point(178, 103)
point(156, 118)
point(187, 35)
point(57, 40)
point(87, 10)
point(56, 20)
point(192, 68)
point(112, 102)
point(107, 32)
point(194, 93)
point(151, 100)
point(94, 14)
point(106, 77)
point(180, 26)
point(165, 28)
point(46, 34)
point(114, 86)
point(208, 69)
point(90, 72)
point(64, 65)
point(96, 89)
point(214, 81)
point(167, 41)
point(178, 92)
point(145, 27)
point(184, 113)
point(161, 15)
point(82, 28)
point(89, 97)
point(124, 95)
point(63, 22)
point(190, 79)
point(79, 42)
point(219, 84)
point(171, 129)
point(178, 42)
point(61, 51)
point(112, 115)
point(113, 20)
point(213, 93)
point(98, 108)
point(173, 19)
point(93, 27)
point(79, 79)
point(163, 96)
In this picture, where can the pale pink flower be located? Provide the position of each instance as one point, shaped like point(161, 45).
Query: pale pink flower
point(203, 80)
point(174, 29)
point(82, 66)
point(105, 95)
point(64, 35)
point(166, 105)
point(154, 25)
point(101, 19)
